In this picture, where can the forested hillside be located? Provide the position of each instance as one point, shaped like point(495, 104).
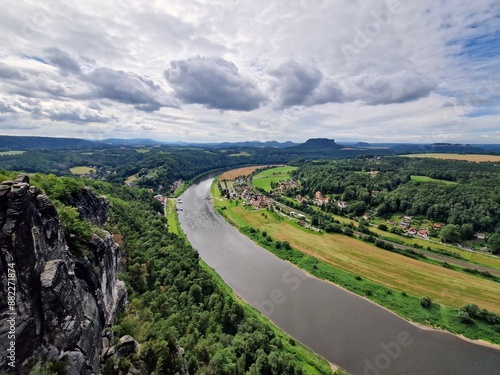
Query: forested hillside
point(459, 193)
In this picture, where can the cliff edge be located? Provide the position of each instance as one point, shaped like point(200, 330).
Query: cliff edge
point(53, 306)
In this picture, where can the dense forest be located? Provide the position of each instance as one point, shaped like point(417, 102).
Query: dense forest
point(175, 302)
point(463, 194)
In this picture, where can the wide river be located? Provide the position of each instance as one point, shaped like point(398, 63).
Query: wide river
point(346, 329)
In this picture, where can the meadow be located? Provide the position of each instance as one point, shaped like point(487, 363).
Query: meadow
point(430, 179)
point(82, 170)
point(11, 153)
point(264, 179)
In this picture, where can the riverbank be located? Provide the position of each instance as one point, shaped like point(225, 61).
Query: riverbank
point(312, 363)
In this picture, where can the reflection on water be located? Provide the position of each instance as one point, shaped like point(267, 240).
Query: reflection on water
point(346, 329)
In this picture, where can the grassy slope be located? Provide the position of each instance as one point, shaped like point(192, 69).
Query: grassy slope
point(171, 214)
point(430, 179)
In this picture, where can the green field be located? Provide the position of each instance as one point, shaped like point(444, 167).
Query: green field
point(430, 179)
point(82, 170)
point(10, 153)
point(171, 214)
point(263, 179)
point(131, 178)
point(242, 153)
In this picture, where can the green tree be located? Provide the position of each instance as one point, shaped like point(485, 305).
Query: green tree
point(450, 233)
point(494, 243)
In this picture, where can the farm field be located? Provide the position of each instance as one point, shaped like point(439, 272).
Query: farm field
point(393, 270)
point(368, 261)
point(81, 170)
point(263, 179)
point(471, 256)
point(245, 171)
point(430, 179)
point(470, 157)
point(11, 153)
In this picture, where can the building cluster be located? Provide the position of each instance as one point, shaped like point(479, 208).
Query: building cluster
point(160, 198)
point(319, 199)
point(285, 186)
point(176, 184)
point(256, 200)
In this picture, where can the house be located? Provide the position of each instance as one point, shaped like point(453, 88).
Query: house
point(423, 233)
point(318, 195)
point(480, 236)
point(411, 231)
point(160, 198)
point(437, 226)
point(343, 205)
point(374, 173)
point(366, 216)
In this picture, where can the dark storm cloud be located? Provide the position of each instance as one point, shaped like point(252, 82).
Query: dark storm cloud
point(213, 82)
point(63, 61)
point(127, 88)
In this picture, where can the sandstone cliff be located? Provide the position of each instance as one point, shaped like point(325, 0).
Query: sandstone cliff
point(62, 303)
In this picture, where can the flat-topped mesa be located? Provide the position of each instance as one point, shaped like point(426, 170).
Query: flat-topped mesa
point(62, 303)
point(318, 144)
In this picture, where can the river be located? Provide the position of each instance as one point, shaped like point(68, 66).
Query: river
point(348, 330)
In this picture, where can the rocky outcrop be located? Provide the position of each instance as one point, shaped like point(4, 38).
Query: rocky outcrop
point(93, 208)
point(62, 304)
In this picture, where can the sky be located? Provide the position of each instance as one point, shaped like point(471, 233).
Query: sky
point(235, 70)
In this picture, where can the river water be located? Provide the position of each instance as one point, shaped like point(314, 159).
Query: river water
point(348, 330)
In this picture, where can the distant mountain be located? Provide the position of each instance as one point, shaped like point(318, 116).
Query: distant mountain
point(362, 144)
point(8, 142)
point(318, 145)
point(256, 144)
point(454, 148)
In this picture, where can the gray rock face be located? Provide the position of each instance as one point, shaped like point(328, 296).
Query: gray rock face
point(62, 304)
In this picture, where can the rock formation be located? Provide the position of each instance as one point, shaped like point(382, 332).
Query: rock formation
point(62, 303)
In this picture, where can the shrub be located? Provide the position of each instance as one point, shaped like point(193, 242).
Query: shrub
point(464, 317)
point(425, 302)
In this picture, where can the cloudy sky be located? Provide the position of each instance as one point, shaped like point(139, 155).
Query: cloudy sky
point(234, 70)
